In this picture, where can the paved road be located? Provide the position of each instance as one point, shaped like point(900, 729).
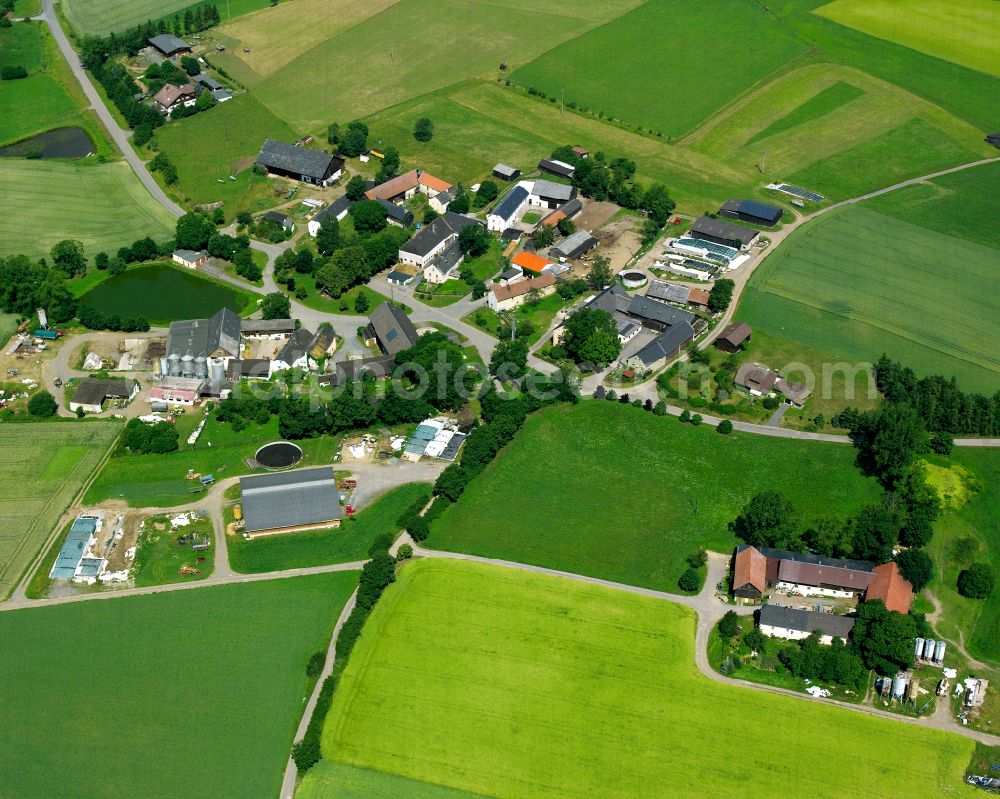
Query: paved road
point(118, 135)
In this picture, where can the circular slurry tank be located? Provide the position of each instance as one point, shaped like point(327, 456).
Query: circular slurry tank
point(632, 278)
point(278, 455)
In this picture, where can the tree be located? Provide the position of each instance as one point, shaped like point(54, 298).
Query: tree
point(768, 520)
point(361, 303)
point(190, 65)
point(451, 482)
point(920, 506)
point(829, 536)
point(369, 216)
point(725, 427)
point(884, 638)
point(600, 275)
point(333, 134)
point(42, 404)
point(591, 337)
point(888, 440)
point(328, 236)
point(874, 532)
point(976, 582)
point(423, 130)
point(721, 295)
point(474, 240)
point(390, 164)
point(193, 232)
point(101, 260)
point(488, 192)
point(942, 443)
point(543, 236)
point(354, 140)
point(67, 257)
point(276, 306)
point(203, 103)
point(657, 203)
point(509, 359)
point(460, 205)
point(729, 625)
point(689, 581)
point(355, 188)
point(916, 566)
point(566, 226)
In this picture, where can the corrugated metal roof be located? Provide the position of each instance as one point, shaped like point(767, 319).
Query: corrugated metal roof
point(290, 499)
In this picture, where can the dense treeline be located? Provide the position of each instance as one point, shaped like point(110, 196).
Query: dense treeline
point(141, 438)
point(95, 50)
point(121, 90)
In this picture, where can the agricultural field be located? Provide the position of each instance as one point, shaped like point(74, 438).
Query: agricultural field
point(728, 46)
point(102, 205)
point(627, 496)
point(349, 542)
point(555, 684)
point(964, 32)
point(229, 139)
point(101, 17)
point(970, 483)
point(369, 66)
point(190, 700)
point(860, 283)
point(44, 466)
point(330, 779)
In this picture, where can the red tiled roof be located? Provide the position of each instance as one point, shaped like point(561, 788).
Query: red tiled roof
point(394, 186)
point(523, 287)
point(531, 261)
point(432, 182)
point(891, 587)
point(554, 218)
point(750, 568)
point(790, 571)
point(698, 297)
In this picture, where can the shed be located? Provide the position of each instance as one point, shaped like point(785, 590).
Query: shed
point(505, 172)
point(553, 167)
point(732, 338)
point(91, 394)
point(574, 246)
point(192, 259)
point(169, 45)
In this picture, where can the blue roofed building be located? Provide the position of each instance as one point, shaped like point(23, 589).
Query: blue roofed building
point(70, 560)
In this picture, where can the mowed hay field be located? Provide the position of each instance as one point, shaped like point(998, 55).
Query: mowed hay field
point(101, 17)
point(966, 32)
point(193, 693)
point(861, 283)
point(668, 64)
point(331, 779)
point(43, 467)
point(102, 205)
point(612, 491)
point(838, 131)
point(563, 689)
point(416, 46)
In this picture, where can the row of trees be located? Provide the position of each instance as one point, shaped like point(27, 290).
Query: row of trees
point(95, 50)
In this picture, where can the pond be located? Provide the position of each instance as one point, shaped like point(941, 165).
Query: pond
point(161, 293)
point(59, 143)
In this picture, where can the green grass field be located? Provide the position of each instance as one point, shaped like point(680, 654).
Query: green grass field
point(102, 205)
point(615, 492)
point(330, 779)
point(347, 543)
point(861, 283)
point(554, 685)
point(328, 81)
point(228, 139)
point(44, 466)
point(22, 45)
point(964, 32)
point(976, 622)
point(819, 105)
point(200, 692)
point(728, 46)
point(101, 17)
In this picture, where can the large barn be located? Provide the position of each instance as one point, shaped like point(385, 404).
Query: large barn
point(756, 213)
point(299, 163)
point(720, 232)
point(305, 499)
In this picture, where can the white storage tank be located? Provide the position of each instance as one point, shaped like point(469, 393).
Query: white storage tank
point(929, 649)
point(217, 368)
point(187, 365)
point(898, 686)
point(919, 647)
point(939, 652)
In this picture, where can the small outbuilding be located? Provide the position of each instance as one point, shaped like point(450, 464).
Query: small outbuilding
point(574, 246)
point(280, 219)
point(733, 337)
point(192, 259)
point(559, 168)
point(505, 172)
point(91, 393)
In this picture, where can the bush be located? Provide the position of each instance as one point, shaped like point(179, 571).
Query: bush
point(696, 419)
point(729, 625)
point(771, 403)
point(689, 581)
point(43, 405)
point(315, 665)
point(942, 443)
point(405, 552)
point(11, 72)
point(381, 543)
point(976, 582)
point(725, 427)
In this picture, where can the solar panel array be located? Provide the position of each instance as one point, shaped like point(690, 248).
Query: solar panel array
point(798, 191)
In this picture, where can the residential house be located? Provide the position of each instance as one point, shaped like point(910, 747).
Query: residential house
point(512, 295)
point(445, 266)
point(295, 353)
point(433, 239)
point(391, 329)
point(170, 46)
point(777, 621)
point(554, 167)
point(760, 381)
point(757, 213)
point(662, 349)
point(530, 262)
point(91, 393)
point(403, 187)
point(732, 338)
point(721, 232)
point(439, 202)
point(170, 96)
point(574, 246)
point(396, 214)
point(508, 210)
point(192, 259)
point(300, 163)
point(302, 499)
point(505, 172)
point(336, 210)
point(546, 194)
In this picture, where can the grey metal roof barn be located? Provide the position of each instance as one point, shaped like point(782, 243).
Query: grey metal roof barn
point(554, 167)
point(93, 391)
point(806, 621)
point(668, 292)
point(168, 44)
point(552, 191)
point(575, 245)
point(291, 500)
point(297, 346)
point(658, 312)
point(298, 160)
point(393, 328)
point(252, 326)
point(751, 211)
point(727, 233)
point(218, 335)
point(667, 344)
point(506, 172)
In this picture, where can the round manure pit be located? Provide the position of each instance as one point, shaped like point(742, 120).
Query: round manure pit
point(632, 278)
point(278, 455)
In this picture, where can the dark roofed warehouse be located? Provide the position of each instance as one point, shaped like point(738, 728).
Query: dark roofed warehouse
point(721, 232)
point(299, 163)
point(751, 211)
point(300, 500)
